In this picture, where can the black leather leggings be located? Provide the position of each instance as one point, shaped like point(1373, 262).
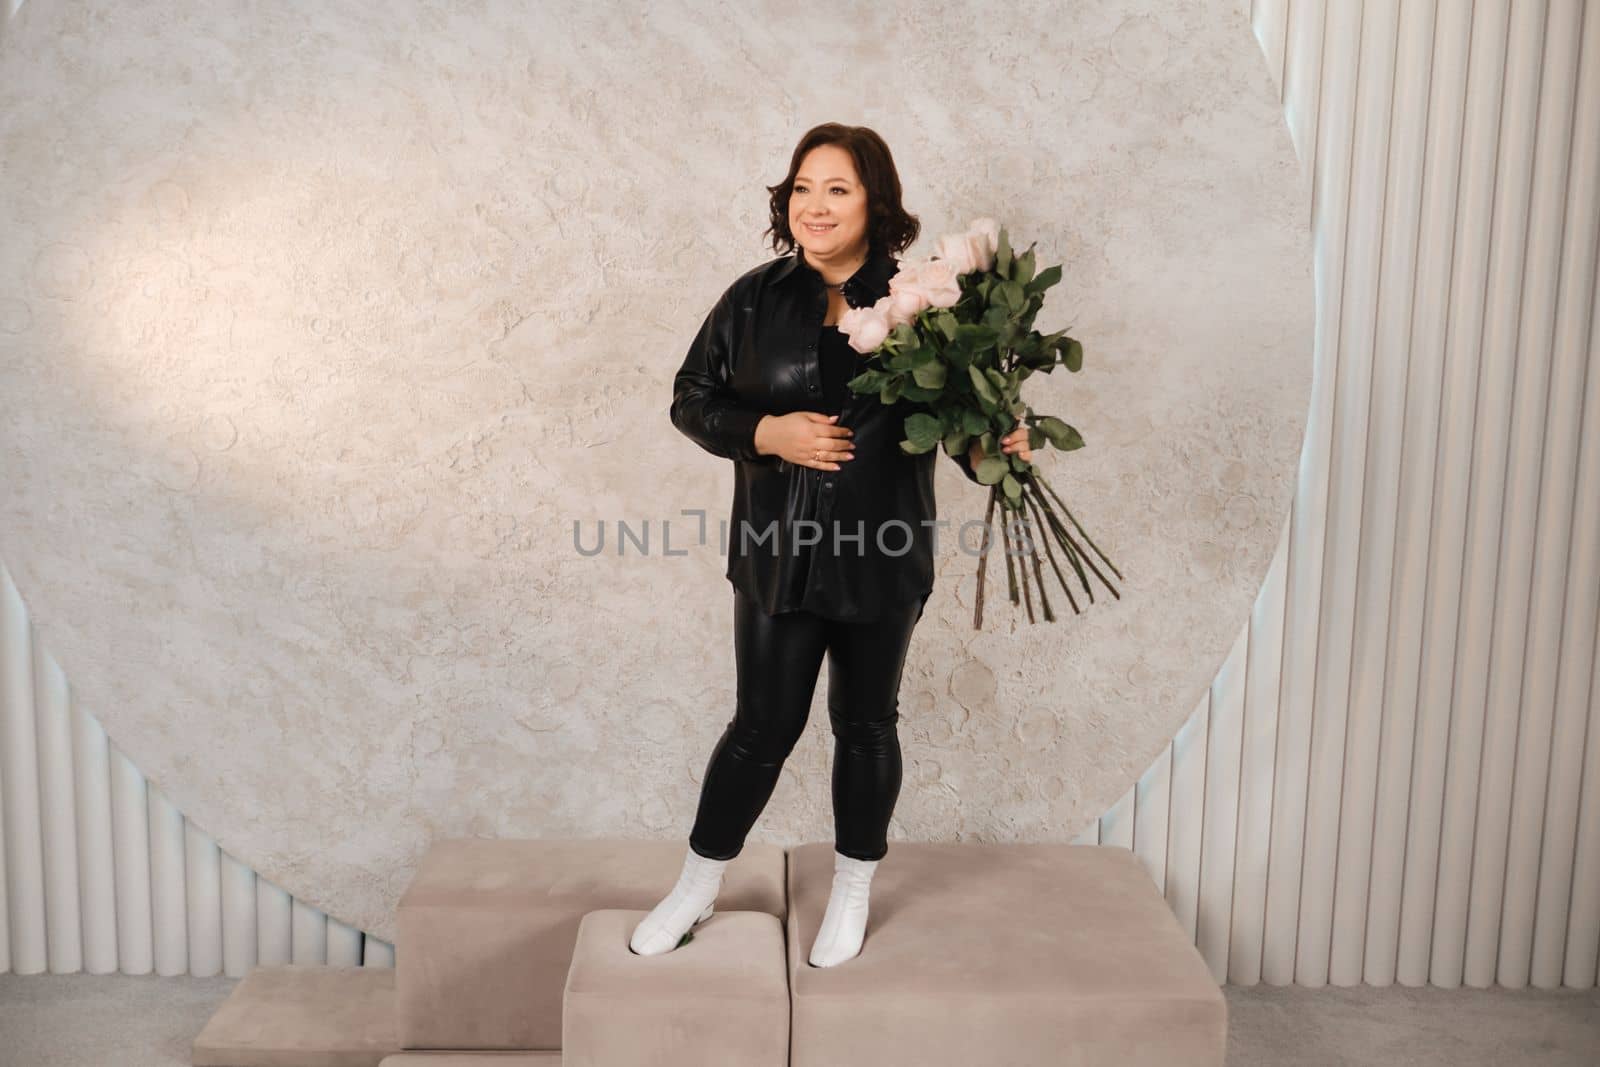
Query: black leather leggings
point(778, 658)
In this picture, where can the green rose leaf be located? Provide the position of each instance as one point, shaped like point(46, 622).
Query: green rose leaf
point(868, 381)
point(992, 469)
point(982, 386)
point(1071, 354)
point(1022, 269)
point(974, 336)
point(1061, 435)
point(930, 375)
point(1045, 279)
point(1009, 295)
point(922, 431)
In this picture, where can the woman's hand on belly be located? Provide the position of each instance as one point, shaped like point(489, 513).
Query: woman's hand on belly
point(806, 439)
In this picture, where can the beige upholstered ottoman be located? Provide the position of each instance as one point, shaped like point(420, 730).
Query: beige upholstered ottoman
point(721, 1000)
point(551, 1058)
point(299, 1015)
point(484, 932)
point(1002, 955)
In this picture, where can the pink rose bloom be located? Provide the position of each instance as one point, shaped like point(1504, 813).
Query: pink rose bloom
point(966, 252)
point(865, 327)
point(982, 251)
point(940, 283)
point(989, 230)
point(882, 308)
point(924, 279)
point(956, 250)
point(905, 306)
point(905, 301)
point(906, 276)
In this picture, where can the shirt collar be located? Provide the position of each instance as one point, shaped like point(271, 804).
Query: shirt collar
point(864, 288)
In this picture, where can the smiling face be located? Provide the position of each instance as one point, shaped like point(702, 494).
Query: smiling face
point(828, 207)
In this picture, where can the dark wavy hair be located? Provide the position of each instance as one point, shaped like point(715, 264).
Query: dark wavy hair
point(890, 228)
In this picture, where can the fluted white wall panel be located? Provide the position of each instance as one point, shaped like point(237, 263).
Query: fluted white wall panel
point(238, 916)
point(19, 792)
point(58, 815)
point(275, 940)
point(1395, 775)
point(1295, 812)
point(1483, 643)
point(1408, 818)
point(1257, 759)
point(97, 888)
point(1186, 817)
point(1564, 558)
point(1390, 144)
point(1544, 441)
point(202, 901)
point(1219, 840)
point(1422, 180)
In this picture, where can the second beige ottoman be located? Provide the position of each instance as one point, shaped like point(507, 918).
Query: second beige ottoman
point(722, 1000)
point(1006, 955)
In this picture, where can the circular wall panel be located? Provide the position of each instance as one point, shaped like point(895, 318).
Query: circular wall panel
point(322, 328)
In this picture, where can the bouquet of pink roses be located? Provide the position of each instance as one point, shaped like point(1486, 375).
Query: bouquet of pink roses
point(955, 339)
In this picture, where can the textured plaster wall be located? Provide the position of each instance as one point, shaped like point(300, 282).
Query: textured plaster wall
point(321, 325)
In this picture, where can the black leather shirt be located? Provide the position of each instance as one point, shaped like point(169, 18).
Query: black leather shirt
point(846, 544)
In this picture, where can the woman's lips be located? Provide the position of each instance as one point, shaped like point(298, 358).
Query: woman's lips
point(820, 229)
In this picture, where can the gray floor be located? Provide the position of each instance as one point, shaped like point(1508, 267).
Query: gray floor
point(121, 1021)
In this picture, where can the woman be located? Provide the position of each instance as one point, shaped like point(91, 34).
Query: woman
point(832, 541)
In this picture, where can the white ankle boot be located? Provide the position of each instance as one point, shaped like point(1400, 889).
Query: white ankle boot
point(687, 905)
point(844, 924)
